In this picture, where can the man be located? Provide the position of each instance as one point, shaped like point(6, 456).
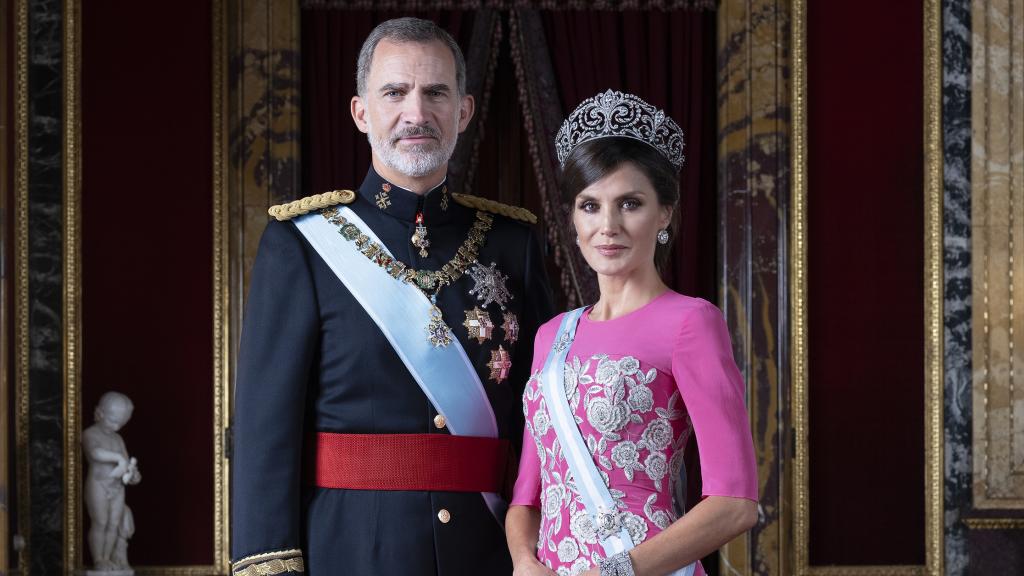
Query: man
point(387, 339)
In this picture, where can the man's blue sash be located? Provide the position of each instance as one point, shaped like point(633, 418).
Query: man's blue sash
point(612, 532)
point(401, 311)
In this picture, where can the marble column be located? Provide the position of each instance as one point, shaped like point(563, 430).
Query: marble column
point(45, 242)
point(264, 122)
point(753, 128)
point(956, 120)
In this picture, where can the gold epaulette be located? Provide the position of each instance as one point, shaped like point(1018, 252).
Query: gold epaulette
point(309, 203)
point(478, 203)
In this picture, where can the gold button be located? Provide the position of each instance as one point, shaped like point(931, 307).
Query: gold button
point(439, 421)
point(444, 516)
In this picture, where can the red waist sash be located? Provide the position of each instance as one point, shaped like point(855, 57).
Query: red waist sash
point(436, 462)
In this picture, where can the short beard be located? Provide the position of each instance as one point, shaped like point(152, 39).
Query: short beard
point(418, 160)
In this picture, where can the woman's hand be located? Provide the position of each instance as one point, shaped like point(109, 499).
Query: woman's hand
point(592, 572)
point(532, 567)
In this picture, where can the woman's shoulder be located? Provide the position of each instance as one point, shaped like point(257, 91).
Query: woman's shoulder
point(674, 307)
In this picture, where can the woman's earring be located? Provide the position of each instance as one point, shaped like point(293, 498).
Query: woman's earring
point(663, 236)
point(577, 240)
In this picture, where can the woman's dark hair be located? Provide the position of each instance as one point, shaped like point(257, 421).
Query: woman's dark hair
point(595, 159)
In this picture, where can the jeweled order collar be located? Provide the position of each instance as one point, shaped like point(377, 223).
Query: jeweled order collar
point(436, 205)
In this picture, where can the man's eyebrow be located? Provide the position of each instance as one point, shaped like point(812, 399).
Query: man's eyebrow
point(401, 86)
point(441, 87)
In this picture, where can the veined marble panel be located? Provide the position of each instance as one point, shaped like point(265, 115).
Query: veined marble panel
point(263, 125)
point(956, 137)
point(997, 231)
point(754, 187)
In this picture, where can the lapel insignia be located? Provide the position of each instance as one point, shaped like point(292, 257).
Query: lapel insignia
point(444, 198)
point(489, 285)
point(478, 324)
point(500, 364)
point(382, 197)
point(511, 328)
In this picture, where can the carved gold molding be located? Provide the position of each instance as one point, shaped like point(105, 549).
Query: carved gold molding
point(934, 294)
point(21, 337)
point(221, 301)
point(933, 301)
point(72, 303)
point(798, 284)
point(995, 523)
point(72, 296)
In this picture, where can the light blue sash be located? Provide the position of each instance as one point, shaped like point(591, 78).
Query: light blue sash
point(401, 312)
point(612, 533)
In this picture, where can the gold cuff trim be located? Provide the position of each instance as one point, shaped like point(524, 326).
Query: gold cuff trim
point(269, 564)
point(488, 205)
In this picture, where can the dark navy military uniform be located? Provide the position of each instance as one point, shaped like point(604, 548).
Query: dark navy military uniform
point(312, 360)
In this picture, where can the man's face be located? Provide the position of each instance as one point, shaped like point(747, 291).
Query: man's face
point(412, 113)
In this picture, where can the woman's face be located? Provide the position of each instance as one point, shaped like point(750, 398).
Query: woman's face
point(617, 220)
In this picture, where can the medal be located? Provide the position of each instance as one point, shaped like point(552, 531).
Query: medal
point(511, 328)
point(500, 364)
point(419, 237)
point(489, 285)
point(437, 331)
point(478, 324)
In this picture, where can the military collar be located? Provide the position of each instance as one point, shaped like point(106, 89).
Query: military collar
point(436, 205)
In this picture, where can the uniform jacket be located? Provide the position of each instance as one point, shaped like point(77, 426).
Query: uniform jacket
point(312, 360)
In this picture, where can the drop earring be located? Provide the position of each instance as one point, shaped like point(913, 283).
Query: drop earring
point(663, 236)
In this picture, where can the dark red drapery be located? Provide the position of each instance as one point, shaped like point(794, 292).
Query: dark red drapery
point(666, 58)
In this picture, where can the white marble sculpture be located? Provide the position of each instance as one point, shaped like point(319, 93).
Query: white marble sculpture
point(110, 470)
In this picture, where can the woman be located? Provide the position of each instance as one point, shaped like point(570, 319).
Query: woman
point(618, 387)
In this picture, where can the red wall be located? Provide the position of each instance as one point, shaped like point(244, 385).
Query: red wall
point(147, 258)
point(865, 282)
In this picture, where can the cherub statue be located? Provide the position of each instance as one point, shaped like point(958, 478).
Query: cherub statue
point(110, 469)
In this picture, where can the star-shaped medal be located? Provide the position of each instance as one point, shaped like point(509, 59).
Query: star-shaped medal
point(511, 328)
point(437, 331)
point(478, 324)
point(489, 285)
point(500, 364)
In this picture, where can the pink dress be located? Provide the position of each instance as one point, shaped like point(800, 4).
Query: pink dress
point(637, 385)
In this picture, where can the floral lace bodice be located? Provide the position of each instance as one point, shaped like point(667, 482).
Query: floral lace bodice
point(637, 387)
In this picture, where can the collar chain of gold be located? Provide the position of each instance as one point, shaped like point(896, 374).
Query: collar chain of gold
point(428, 281)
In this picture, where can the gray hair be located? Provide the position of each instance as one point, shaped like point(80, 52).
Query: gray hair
point(403, 30)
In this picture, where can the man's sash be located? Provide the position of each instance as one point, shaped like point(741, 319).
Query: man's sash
point(597, 499)
point(401, 311)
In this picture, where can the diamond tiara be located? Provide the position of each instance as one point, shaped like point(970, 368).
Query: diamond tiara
point(619, 114)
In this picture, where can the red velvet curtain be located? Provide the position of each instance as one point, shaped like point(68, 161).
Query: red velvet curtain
point(668, 59)
point(335, 154)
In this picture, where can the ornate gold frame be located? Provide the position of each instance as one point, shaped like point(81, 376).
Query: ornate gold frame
point(933, 301)
point(72, 301)
point(21, 337)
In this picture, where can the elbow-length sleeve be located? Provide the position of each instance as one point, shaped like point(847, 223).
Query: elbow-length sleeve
point(713, 392)
point(278, 343)
point(528, 484)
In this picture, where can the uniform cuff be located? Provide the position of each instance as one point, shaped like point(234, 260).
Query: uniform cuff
point(269, 563)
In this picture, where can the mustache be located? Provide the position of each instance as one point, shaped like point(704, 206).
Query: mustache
point(415, 131)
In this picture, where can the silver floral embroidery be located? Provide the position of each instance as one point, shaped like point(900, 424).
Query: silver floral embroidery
point(568, 550)
point(613, 400)
point(627, 457)
point(656, 467)
point(658, 435)
point(581, 525)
